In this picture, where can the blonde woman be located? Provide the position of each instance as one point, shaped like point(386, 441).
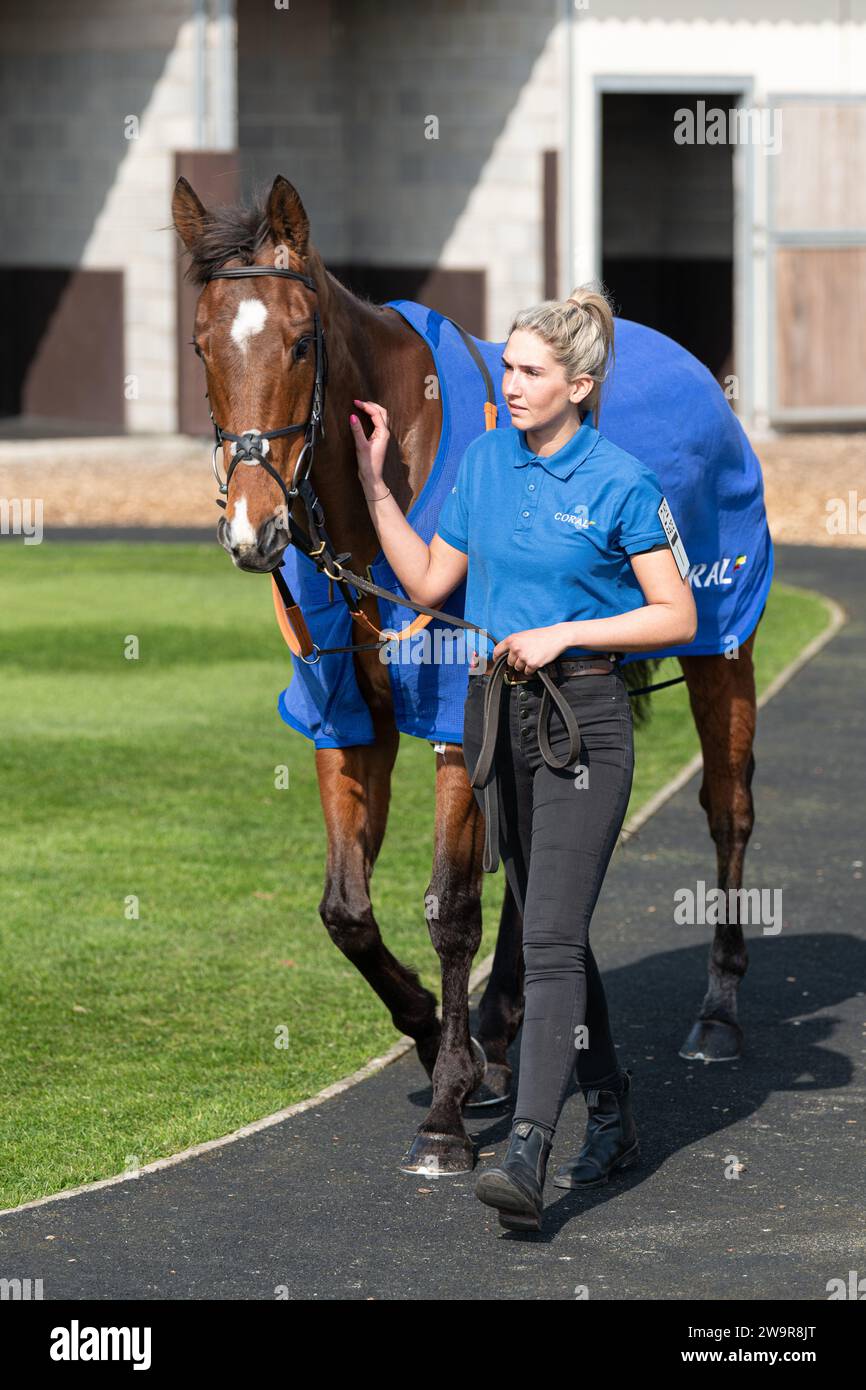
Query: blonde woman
point(561, 534)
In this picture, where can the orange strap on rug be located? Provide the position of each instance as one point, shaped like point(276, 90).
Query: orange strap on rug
point(292, 625)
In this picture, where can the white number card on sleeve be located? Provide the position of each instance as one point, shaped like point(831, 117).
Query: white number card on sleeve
point(678, 550)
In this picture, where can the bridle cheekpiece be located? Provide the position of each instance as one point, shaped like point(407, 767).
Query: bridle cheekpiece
point(252, 446)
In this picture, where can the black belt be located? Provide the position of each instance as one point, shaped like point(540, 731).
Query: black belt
point(485, 771)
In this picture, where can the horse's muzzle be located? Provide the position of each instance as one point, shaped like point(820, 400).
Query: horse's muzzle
point(256, 552)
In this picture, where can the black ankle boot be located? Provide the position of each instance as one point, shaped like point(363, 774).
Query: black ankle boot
point(516, 1186)
point(610, 1141)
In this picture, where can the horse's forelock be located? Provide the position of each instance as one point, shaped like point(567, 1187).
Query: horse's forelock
point(229, 233)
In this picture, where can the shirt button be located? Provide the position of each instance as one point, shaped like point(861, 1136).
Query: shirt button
point(531, 487)
point(526, 513)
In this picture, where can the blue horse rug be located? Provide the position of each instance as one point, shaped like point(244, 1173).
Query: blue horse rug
point(661, 405)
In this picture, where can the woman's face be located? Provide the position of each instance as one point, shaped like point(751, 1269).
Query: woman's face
point(534, 384)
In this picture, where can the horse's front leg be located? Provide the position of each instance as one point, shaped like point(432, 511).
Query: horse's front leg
point(453, 909)
point(500, 1012)
point(355, 788)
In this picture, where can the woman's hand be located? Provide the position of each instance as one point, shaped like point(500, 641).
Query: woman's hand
point(532, 648)
point(371, 452)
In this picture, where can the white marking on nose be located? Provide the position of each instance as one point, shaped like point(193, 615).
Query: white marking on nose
point(241, 529)
point(249, 320)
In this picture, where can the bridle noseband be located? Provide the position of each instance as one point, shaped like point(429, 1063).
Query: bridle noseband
point(253, 446)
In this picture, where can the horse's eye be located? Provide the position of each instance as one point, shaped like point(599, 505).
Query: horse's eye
point(300, 351)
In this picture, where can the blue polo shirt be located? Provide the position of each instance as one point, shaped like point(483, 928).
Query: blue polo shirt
point(549, 538)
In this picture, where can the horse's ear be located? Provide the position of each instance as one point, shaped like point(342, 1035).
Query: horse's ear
point(188, 212)
point(287, 218)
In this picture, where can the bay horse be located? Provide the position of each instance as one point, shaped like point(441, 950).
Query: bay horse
point(254, 337)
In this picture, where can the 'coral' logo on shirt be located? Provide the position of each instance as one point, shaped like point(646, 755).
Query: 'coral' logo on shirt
point(578, 517)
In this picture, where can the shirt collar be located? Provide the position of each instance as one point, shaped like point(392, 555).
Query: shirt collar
point(563, 463)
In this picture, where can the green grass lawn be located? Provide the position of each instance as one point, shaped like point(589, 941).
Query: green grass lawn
point(126, 1038)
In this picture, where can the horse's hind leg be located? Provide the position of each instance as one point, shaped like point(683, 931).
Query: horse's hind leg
point(722, 695)
point(355, 788)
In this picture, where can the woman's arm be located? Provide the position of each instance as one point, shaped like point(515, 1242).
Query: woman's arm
point(428, 573)
point(669, 619)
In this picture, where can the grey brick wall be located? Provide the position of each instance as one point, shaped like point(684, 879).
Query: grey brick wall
point(75, 190)
point(335, 95)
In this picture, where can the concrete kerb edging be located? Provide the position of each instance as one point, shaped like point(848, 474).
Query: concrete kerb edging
point(405, 1044)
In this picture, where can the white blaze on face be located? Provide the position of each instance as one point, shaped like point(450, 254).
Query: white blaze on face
point(241, 530)
point(249, 320)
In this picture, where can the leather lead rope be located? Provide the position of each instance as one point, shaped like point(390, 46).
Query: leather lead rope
point(484, 774)
point(288, 611)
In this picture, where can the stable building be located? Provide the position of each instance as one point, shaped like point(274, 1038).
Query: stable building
point(705, 158)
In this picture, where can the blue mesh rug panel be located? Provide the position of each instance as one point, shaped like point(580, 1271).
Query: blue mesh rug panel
point(661, 405)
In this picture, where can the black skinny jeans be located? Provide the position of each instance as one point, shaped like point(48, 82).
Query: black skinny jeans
point(557, 832)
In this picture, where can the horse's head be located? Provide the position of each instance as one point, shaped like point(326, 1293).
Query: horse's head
point(256, 334)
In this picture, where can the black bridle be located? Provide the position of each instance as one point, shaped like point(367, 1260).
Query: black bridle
point(253, 446)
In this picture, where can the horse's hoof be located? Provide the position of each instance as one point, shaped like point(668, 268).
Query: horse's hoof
point(494, 1089)
point(713, 1040)
point(438, 1156)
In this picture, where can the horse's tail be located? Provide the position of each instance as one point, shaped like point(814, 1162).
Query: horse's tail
point(636, 674)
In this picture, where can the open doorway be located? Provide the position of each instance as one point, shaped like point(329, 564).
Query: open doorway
point(667, 222)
